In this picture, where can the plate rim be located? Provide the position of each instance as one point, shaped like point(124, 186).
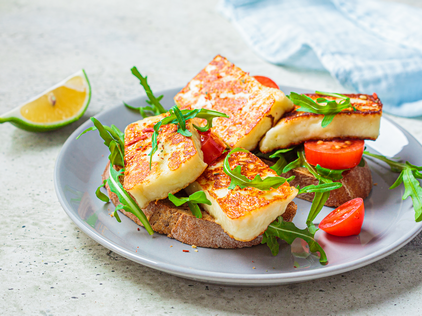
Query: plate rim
point(257, 279)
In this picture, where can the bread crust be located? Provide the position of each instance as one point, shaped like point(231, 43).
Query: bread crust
point(179, 223)
point(357, 182)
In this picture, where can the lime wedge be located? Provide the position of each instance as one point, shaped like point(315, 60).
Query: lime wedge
point(60, 105)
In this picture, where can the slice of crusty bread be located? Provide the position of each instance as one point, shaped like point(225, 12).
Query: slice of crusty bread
point(179, 223)
point(357, 182)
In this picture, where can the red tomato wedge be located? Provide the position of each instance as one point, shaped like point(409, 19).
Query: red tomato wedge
point(266, 82)
point(345, 220)
point(211, 146)
point(334, 154)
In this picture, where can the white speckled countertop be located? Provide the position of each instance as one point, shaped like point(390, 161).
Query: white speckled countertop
point(49, 267)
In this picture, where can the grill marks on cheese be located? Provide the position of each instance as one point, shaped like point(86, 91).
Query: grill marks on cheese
point(177, 162)
point(244, 213)
point(297, 127)
point(252, 108)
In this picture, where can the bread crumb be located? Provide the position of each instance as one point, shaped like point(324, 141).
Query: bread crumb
point(171, 246)
point(375, 183)
point(193, 246)
point(253, 267)
point(196, 250)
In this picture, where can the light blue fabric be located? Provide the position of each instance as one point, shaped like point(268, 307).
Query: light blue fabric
point(367, 45)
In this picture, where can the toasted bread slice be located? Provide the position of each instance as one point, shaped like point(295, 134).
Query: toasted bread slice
point(357, 182)
point(244, 213)
point(180, 224)
point(252, 108)
point(177, 162)
point(297, 127)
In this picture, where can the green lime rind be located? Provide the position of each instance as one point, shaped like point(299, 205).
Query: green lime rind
point(34, 127)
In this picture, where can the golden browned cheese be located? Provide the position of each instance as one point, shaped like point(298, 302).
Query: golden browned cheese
point(177, 162)
point(179, 223)
point(243, 213)
point(252, 108)
point(364, 104)
point(297, 127)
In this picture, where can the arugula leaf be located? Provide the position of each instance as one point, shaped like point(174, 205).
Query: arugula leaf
point(281, 162)
point(100, 194)
point(127, 203)
point(113, 139)
point(408, 176)
point(329, 108)
point(330, 173)
point(328, 118)
point(237, 179)
point(324, 187)
point(181, 122)
point(279, 165)
point(317, 204)
point(208, 115)
point(279, 153)
point(92, 128)
point(292, 165)
point(156, 107)
point(325, 177)
point(331, 94)
point(154, 143)
point(288, 232)
point(192, 200)
point(179, 117)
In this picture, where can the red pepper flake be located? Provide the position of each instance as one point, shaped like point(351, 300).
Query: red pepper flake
point(185, 250)
point(137, 139)
point(375, 95)
point(148, 130)
point(139, 148)
point(139, 229)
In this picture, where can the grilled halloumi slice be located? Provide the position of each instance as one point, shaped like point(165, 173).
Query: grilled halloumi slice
point(252, 108)
point(177, 162)
point(297, 127)
point(244, 213)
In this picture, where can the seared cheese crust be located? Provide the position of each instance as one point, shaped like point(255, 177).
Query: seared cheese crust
point(297, 127)
point(252, 108)
point(177, 162)
point(245, 213)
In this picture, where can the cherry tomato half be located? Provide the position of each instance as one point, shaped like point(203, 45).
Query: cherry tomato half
point(334, 154)
point(266, 82)
point(211, 146)
point(345, 220)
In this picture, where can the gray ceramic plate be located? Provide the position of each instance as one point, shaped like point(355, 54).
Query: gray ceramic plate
point(389, 222)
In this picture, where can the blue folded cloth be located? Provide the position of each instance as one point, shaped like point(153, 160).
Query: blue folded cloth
point(367, 45)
